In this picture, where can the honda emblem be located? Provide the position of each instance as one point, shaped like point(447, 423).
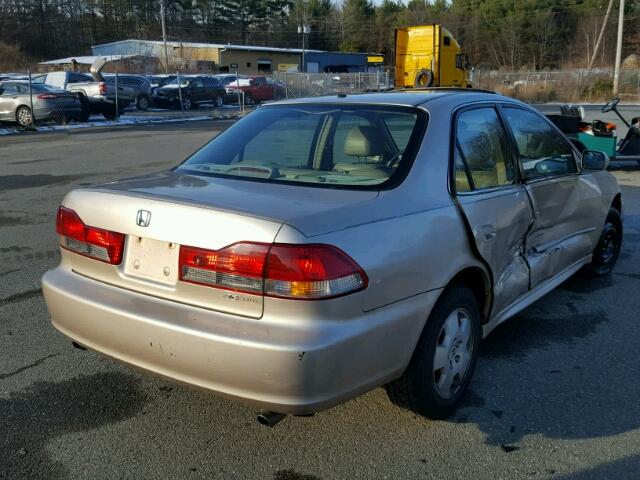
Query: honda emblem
point(144, 218)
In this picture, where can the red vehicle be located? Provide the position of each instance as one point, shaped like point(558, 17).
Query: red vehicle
point(255, 90)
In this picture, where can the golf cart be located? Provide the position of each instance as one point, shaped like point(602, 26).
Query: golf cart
point(599, 135)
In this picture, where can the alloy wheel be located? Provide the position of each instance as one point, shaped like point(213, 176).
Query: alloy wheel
point(453, 353)
point(23, 116)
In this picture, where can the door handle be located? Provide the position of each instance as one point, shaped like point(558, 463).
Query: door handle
point(488, 233)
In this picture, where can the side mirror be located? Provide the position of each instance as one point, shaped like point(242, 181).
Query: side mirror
point(593, 160)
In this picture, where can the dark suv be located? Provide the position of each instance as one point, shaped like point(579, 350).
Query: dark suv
point(193, 89)
point(140, 85)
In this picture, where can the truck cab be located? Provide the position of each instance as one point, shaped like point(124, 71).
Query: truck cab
point(429, 56)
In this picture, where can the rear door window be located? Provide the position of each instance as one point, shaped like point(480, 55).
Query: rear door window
point(9, 89)
point(541, 149)
point(483, 149)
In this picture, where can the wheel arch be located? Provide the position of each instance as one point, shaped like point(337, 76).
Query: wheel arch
point(478, 280)
point(617, 203)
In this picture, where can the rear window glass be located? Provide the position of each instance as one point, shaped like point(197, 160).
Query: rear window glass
point(321, 145)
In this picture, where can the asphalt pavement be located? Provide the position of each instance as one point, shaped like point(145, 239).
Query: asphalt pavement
point(555, 395)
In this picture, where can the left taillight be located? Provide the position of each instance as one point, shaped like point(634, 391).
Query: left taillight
point(96, 243)
point(47, 96)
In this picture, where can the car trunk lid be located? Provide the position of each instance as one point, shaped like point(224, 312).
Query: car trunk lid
point(155, 228)
point(311, 210)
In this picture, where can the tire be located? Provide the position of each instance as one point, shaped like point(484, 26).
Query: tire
point(218, 102)
point(186, 103)
point(61, 119)
point(424, 78)
point(454, 327)
point(110, 113)
point(607, 250)
point(85, 111)
point(142, 102)
point(24, 117)
point(248, 99)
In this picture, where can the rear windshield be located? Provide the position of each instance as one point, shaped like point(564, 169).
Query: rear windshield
point(349, 146)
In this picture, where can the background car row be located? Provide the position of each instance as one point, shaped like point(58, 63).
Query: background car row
point(74, 96)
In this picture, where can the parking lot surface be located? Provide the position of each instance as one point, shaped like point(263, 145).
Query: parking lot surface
point(555, 393)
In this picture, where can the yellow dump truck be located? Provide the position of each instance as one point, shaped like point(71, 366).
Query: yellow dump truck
point(429, 56)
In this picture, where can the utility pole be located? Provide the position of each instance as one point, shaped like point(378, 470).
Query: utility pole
point(304, 30)
point(164, 37)
point(600, 35)
point(616, 72)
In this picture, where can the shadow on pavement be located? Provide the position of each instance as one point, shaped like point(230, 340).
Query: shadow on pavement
point(29, 419)
point(628, 467)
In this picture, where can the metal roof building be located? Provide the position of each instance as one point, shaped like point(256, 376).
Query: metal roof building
point(208, 57)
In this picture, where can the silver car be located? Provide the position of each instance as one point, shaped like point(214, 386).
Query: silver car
point(320, 248)
point(48, 104)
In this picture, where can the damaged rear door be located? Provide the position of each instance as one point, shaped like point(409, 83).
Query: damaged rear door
point(493, 202)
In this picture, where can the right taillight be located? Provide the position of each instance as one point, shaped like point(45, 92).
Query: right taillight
point(97, 243)
point(306, 272)
point(311, 272)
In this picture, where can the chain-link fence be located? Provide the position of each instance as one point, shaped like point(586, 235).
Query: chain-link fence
point(579, 85)
point(300, 85)
point(63, 96)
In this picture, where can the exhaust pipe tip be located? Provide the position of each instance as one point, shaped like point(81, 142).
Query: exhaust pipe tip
point(78, 346)
point(270, 419)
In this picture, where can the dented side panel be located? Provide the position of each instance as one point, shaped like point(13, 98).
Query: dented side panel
point(569, 212)
point(499, 221)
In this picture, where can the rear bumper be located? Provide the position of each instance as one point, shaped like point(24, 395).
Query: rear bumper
point(48, 113)
point(290, 367)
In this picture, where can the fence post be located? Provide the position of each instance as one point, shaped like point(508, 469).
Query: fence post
point(33, 114)
point(179, 90)
point(117, 107)
point(286, 86)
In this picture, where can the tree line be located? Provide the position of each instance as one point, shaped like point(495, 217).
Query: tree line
point(497, 34)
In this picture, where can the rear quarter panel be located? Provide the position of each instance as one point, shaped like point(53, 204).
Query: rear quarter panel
point(403, 256)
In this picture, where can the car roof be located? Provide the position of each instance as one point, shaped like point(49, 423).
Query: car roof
point(409, 97)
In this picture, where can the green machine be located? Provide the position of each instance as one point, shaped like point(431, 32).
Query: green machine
point(598, 135)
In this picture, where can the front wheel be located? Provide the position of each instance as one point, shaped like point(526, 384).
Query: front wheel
point(186, 103)
point(248, 99)
point(444, 359)
point(218, 102)
point(607, 250)
point(142, 102)
point(85, 107)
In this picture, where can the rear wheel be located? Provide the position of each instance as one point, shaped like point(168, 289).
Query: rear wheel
point(218, 102)
point(607, 250)
point(110, 113)
point(23, 116)
point(444, 359)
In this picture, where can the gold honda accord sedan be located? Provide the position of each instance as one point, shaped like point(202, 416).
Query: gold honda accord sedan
point(322, 247)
